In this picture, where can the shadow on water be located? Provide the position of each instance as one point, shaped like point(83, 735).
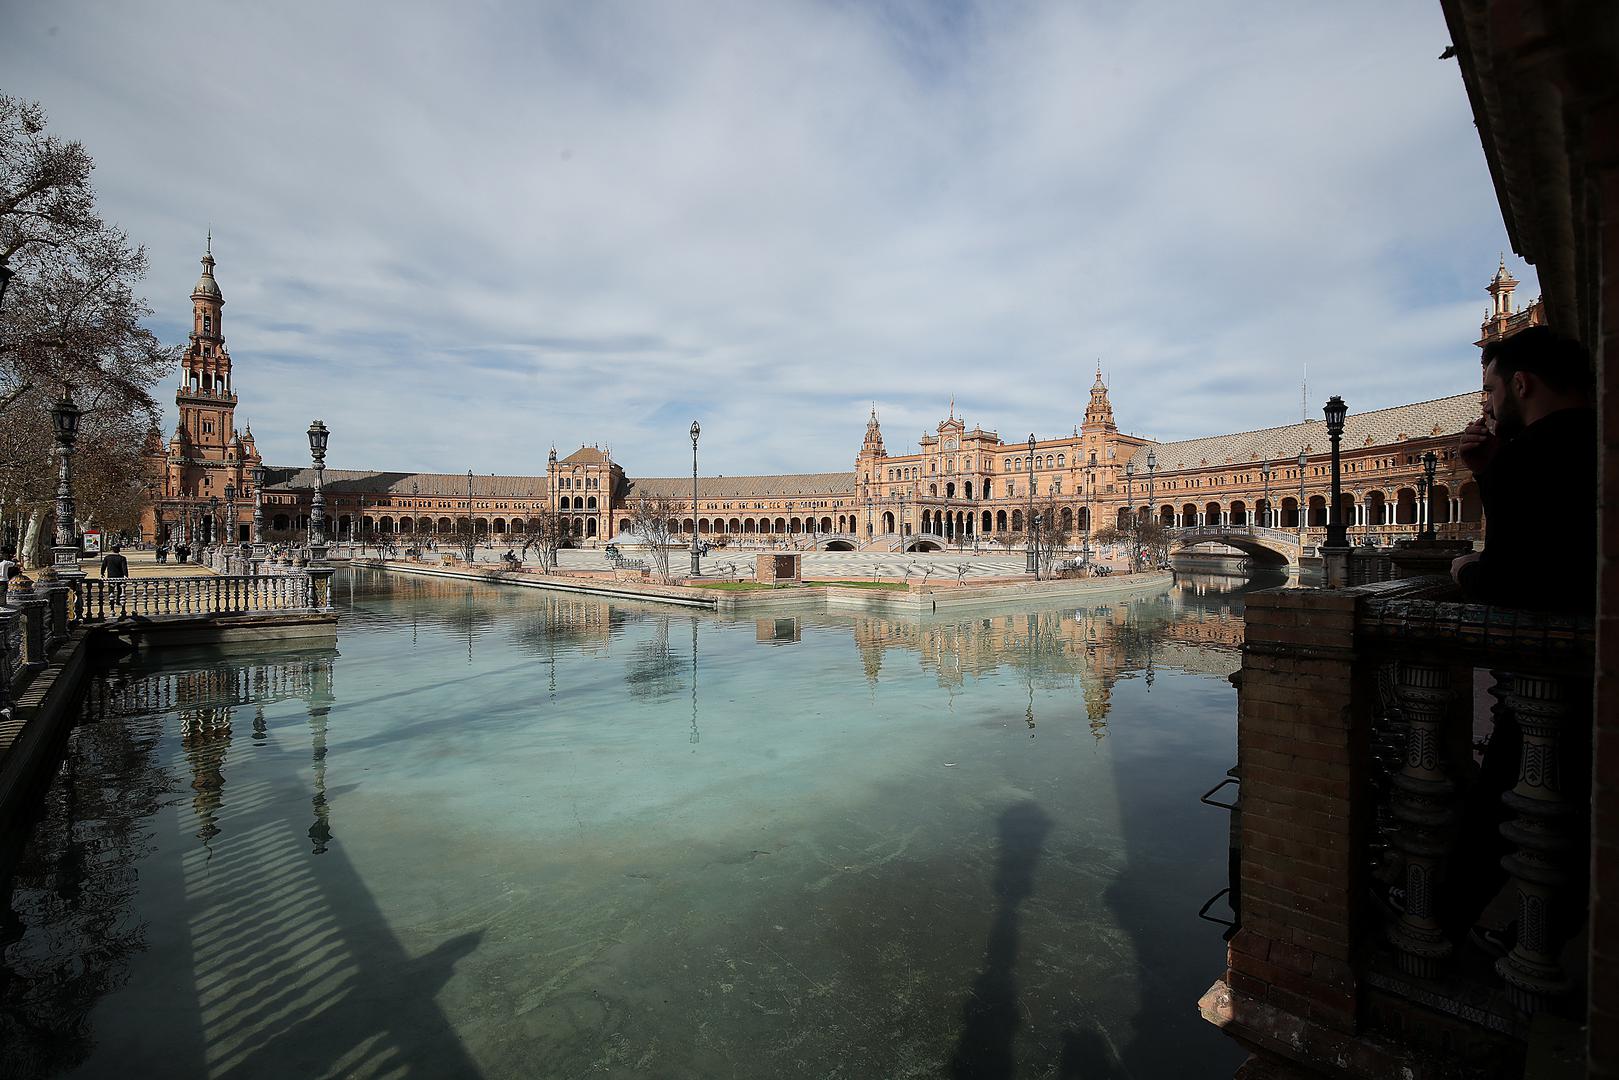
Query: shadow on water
point(990, 1018)
point(1158, 859)
point(292, 967)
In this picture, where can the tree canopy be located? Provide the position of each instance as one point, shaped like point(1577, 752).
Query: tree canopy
point(70, 318)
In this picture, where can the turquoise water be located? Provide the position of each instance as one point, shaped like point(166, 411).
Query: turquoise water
point(504, 833)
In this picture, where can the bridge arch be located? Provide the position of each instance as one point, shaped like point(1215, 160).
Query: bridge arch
point(1269, 547)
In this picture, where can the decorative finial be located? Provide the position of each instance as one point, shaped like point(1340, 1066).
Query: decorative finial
point(952, 406)
point(210, 249)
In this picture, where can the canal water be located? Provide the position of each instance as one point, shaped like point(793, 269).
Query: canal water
point(502, 832)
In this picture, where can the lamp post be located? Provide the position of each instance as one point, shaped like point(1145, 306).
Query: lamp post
point(1430, 465)
point(1302, 517)
point(1152, 493)
point(360, 524)
point(1269, 520)
point(318, 434)
point(1031, 566)
point(213, 522)
point(65, 419)
point(472, 530)
point(258, 509)
point(1337, 530)
point(1130, 513)
point(230, 513)
point(696, 568)
point(1090, 506)
point(868, 516)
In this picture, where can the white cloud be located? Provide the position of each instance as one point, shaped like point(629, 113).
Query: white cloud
point(461, 234)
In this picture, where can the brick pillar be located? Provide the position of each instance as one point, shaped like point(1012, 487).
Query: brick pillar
point(1291, 988)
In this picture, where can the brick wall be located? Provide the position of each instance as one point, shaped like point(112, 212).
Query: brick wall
point(1302, 877)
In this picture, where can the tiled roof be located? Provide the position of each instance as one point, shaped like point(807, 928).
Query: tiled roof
point(1380, 427)
point(744, 487)
point(400, 483)
point(585, 455)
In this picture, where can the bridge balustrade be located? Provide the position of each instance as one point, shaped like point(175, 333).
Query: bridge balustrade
point(102, 599)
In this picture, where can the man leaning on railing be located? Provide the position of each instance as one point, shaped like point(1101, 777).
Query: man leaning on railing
point(1533, 453)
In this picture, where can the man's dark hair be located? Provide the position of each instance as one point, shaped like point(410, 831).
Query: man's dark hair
point(1556, 359)
point(116, 548)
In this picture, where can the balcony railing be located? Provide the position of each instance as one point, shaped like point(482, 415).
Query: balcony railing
point(1374, 832)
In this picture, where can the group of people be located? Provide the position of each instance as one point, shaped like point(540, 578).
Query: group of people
point(182, 551)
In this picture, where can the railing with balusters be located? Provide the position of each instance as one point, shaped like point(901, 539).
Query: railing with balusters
point(1431, 822)
point(103, 599)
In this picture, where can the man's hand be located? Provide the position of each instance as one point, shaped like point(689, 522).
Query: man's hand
point(1478, 446)
point(1459, 563)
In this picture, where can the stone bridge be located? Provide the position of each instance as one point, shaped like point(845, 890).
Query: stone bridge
point(1273, 547)
point(837, 542)
point(926, 541)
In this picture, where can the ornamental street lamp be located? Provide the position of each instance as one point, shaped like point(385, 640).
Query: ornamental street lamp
point(1152, 490)
point(1090, 506)
point(1430, 465)
point(318, 434)
point(696, 568)
point(471, 547)
point(1032, 566)
point(213, 521)
point(65, 419)
point(1270, 514)
point(868, 515)
point(1302, 519)
point(230, 513)
point(258, 506)
point(1337, 531)
point(1130, 514)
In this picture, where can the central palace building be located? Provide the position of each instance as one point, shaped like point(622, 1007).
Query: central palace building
point(963, 486)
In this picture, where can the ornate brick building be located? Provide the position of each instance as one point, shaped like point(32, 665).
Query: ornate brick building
point(206, 470)
point(963, 486)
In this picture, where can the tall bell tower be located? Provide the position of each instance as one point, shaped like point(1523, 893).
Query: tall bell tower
point(206, 459)
point(206, 399)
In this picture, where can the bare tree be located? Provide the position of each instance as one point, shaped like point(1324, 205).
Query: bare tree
point(544, 533)
point(70, 318)
point(1049, 534)
point(1008, 539)
point(652, 518)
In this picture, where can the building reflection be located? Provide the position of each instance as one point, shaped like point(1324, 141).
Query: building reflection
point(68, 889)
point(1196, 627)
point(205, 702)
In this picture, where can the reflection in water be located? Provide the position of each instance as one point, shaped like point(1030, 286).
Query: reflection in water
point(69, 938)
point(562, 783)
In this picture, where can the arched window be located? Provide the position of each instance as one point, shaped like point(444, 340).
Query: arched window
point(1060, 459)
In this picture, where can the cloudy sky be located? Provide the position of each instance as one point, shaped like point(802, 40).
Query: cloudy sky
point(461, 233)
